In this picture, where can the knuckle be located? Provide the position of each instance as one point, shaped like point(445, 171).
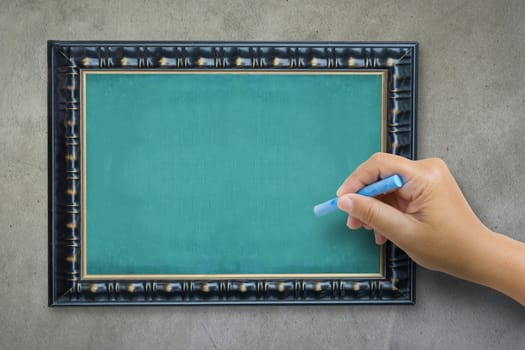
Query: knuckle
point(377, 156)
point(371, 213)
point(436, 169)
point(438, 163)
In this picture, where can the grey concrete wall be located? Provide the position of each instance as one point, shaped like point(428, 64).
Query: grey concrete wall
point(472, 99)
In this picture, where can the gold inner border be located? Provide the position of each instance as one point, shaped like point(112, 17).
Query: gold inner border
point(83, 251)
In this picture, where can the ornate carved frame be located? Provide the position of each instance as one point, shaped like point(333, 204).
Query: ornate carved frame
point(66, 59)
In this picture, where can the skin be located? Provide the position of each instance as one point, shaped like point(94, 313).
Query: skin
point(430, 219)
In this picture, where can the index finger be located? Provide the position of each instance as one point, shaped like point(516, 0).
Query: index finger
point(378, 166)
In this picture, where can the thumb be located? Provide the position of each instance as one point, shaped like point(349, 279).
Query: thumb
point(376, 214)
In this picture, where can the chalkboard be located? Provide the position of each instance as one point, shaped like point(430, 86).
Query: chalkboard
point(216, 173)
point(186, 172)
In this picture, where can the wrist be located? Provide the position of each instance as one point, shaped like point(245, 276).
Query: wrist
point(499, 264)
point(476, 249)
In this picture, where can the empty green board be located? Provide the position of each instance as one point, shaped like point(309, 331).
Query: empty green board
point(215, 173)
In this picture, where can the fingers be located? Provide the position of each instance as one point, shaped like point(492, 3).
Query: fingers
point(379, 166)
point(381, 217)
point(354, 223)
point(380, 239)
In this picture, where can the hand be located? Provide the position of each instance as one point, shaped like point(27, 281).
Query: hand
point(430, 219)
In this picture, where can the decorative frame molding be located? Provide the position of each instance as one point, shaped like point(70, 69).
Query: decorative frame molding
point(66, 59)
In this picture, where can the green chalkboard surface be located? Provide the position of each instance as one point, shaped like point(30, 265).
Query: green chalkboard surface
point(216, 172)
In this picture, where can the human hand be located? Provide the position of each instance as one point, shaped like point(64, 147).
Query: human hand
point(428, 217)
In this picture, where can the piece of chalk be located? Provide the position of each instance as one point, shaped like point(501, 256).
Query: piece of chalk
point(375, 189)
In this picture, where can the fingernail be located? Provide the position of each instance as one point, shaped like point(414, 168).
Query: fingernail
point(339, 189)
point(348, 221)
point(345, 204)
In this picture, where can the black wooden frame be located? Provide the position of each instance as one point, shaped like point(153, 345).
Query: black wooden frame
point(66, 59)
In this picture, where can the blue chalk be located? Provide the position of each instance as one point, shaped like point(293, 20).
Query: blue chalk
point(382, 186)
